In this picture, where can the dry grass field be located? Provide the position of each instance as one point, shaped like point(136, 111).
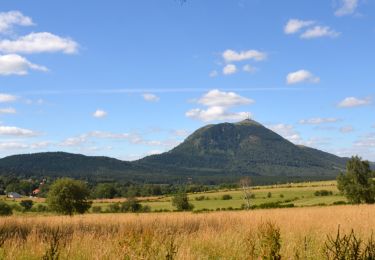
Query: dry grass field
point(216, 235)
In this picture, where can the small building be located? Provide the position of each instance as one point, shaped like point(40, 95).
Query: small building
point(36, 192)
point(14, 195)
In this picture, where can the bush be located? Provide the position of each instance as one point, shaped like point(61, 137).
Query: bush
point(269, 195)
point(341, 202)
point(26, 204)
point(114, 208)
point(5, 209)
point(96, 209)
point(226, 197)
point(40, 208)
point(270, 241)
point(281, 195)
point(199, 198)
point(323, 193)
point(68, 196)
point(131, 205)
point(181, 202)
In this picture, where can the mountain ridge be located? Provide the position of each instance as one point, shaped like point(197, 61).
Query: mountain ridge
point(213, 153)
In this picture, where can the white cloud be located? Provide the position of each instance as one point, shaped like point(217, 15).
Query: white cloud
point(367, 141)
point(233, 56)
point(216, 113)
point(318, 120)
point(213, 74)
point(286, 131)
point(248, 68)
point(39, 42)
point(347, 7)
point(150, 97)
point(6, 146)
point(9, 19)
point(346, 129)
point(8, 110)
point(216, 97)
point(100, 113)
point(218, 103)
point(13, 64)
point(301, 76)
point(354, 102)
point(319, 31)
point(295, 25)
point(16, 131)
point(4, 98)
point(229, 69)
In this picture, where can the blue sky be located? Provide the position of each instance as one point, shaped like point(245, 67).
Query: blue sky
point(133, 78)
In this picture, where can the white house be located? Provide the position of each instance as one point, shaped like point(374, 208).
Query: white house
point(14, 195)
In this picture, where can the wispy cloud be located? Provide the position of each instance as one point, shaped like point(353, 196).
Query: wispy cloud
point(347, 7)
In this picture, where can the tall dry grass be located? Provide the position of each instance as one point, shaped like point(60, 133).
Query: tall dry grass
point(219, 235)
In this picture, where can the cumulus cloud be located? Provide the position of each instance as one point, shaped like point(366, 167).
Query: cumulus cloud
point(13, 64)
point(4, 98)
point(150, 97)
point(16, 131)
point(9, 19)
point(295, 25)
point(8, 110)
point(286, 131)
point(301, 76)
point(38, 43)
point(234, 56)
point(354, 102)
point(218, 103)
point(100, 113)
point(319, 31)
point(318, 120)
point(216, 97)
point(347, 7)
point(229, 69)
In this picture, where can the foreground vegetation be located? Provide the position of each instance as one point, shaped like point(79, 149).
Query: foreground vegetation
point(300, 233)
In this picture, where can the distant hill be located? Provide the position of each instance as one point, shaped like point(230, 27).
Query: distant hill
point(247, 148)
point(212, 154)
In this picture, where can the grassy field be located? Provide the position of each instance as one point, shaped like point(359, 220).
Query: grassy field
point(214, 235)
point(300, 194)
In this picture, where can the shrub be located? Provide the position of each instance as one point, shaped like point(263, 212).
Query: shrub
point(181, 202)
point(226, 197)
point(27, 204)
point(341, 202)
point(199, 198)
point(114, 208)
point(281, 195)
point(96, 209)
point(323, 193)
point(269, 195)
point(40, 208)
point(5, 209)
point(68, 196)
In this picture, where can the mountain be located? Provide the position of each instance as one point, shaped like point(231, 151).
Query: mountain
point(247, 148)
point(212, 154)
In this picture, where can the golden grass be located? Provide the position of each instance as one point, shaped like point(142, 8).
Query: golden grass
point(217, 235)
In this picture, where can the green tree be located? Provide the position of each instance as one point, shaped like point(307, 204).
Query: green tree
point(68, 196)
point(27, 204)
point(357, 183)
point(181, 202)
point(105, 191)
point(131, 205)
point(5, 209)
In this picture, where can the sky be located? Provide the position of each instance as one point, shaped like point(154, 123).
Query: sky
point(127, 79)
